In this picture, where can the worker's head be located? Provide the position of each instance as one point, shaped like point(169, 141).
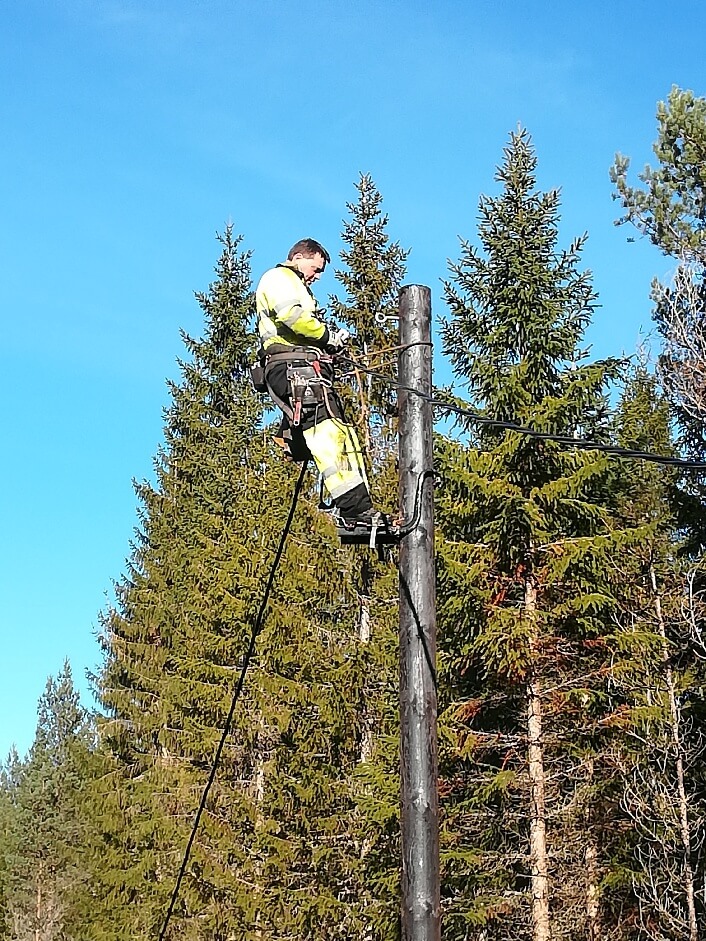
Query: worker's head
point(310, 258)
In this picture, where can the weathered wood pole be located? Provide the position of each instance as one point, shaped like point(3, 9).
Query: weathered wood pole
point(421, 914)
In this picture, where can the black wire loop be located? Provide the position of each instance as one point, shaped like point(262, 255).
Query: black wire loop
point(410, 525)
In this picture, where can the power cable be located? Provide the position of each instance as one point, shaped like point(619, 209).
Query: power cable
point(257, 629)
point(580, 443)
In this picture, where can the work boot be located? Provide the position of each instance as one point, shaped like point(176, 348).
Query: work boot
point(355, 503)
point(284, 446)
point(293, 446)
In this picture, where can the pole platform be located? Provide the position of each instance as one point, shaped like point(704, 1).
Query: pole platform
point(382, 533)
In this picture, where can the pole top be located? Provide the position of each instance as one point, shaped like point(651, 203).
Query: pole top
point(414, 287)
point(415, 310)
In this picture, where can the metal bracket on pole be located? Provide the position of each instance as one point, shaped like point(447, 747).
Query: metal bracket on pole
point(421, 910)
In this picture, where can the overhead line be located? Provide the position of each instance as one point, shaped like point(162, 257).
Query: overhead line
point(567, 440)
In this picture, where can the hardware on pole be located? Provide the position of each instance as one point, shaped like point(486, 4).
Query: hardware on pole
point(421, 912)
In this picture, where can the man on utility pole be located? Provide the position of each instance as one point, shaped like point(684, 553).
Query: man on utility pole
point(296, 360)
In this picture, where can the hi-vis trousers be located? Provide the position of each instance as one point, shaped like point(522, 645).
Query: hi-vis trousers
point(322, 430)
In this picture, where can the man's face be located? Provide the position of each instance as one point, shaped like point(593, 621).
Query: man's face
point(310, 268)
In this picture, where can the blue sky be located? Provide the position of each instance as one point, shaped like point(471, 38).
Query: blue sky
point(134, 130)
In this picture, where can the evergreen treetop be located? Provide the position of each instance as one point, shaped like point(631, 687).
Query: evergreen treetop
point(670, 206)
point(372, 276)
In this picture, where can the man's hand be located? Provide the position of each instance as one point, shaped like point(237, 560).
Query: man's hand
point(337, 339)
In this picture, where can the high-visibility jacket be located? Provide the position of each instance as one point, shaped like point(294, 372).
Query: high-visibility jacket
point(287, 312)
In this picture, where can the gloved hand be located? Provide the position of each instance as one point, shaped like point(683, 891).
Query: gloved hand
point(337, 339)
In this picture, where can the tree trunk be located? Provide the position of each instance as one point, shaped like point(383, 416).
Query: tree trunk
point(258, 791)
point(535, 757)
point(38, 913)
point(592, 869)
point(364, 634)
point(592, 906)
point(684, 827)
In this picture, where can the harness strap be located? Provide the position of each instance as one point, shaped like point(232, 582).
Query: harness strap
point(280, 403)
point(327, 404)
point(298, 354)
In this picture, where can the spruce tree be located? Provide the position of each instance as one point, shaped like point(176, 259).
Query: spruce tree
point(271, 853)
point(45, 825)
point(372, 277)
point(330, 639)
point(175, 638)
point(525, 596)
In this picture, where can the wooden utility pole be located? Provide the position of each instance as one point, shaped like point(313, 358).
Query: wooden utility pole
point(421, 913)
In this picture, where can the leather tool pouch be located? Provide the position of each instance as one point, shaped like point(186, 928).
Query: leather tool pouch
point(306, 385)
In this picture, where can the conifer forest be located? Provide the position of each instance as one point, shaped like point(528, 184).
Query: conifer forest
point(570, 585)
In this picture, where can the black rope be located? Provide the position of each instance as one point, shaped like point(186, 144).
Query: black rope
point(257, 629)
point(581, 443)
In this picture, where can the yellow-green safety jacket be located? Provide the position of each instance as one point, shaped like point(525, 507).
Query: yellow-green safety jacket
point(287, 312)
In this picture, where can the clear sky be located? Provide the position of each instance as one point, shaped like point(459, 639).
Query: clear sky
point(133, 130)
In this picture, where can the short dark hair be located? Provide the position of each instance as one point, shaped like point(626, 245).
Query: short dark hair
point(308, 248)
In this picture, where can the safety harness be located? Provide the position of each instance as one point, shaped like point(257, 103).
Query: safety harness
point(310, 378)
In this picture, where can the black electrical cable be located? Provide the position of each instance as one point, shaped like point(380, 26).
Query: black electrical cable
point(581, 443)
point(257, 628)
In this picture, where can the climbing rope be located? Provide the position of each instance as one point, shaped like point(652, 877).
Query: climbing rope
point(257, 629)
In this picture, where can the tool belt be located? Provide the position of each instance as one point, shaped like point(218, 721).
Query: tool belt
point(309, 373)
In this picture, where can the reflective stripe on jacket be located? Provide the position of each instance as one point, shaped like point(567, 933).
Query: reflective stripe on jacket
point(286, 311)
